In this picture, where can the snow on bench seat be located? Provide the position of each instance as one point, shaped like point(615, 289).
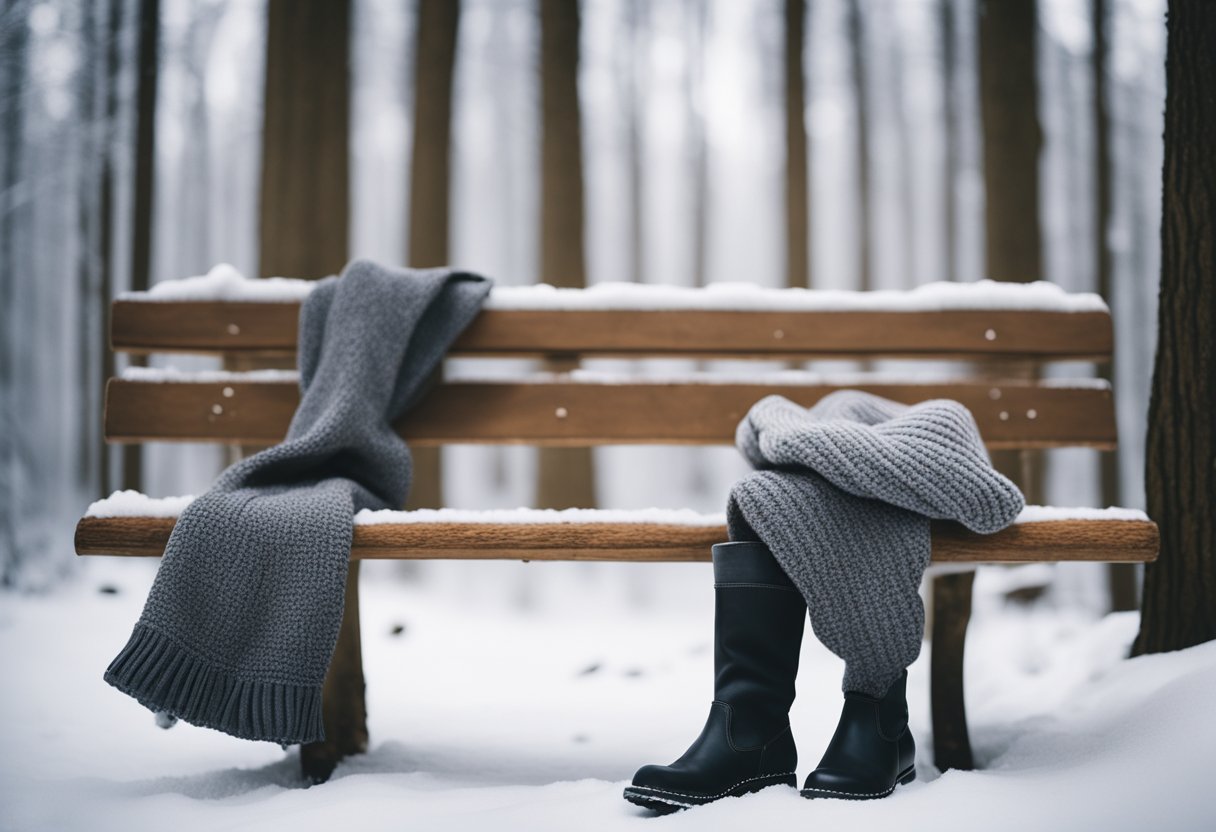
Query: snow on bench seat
point(129, 523)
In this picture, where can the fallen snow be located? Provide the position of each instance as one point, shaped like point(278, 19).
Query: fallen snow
point(134, 504)
point(524, 516)
point(131, 503)
point(224, 282)
point(165, 375)
point(1043, 514)
point(458, 375)
point(486, 717)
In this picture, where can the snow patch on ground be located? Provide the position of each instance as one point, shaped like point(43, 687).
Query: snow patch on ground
point(224, 282)
point(485, 715)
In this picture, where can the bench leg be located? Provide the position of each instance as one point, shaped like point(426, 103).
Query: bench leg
point(951, 612)
point(344, 709)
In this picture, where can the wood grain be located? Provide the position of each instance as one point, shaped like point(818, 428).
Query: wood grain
point(1115, 541)
point(581, 414)
point(233, 327)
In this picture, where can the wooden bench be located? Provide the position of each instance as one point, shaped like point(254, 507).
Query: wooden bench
point(1014, 411)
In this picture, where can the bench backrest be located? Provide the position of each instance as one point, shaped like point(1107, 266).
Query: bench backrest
point(998, 346)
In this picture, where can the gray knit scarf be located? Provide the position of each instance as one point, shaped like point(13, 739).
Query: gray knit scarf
point(843, 496)
point(242, 619)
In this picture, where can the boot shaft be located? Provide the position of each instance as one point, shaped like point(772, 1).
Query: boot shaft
point(758, 624)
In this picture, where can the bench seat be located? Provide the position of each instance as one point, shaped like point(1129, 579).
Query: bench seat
point(648, 535)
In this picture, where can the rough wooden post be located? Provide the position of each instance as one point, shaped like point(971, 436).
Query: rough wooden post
point(951, 612)
point(344, 708)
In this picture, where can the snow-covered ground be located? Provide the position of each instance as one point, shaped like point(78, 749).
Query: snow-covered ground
point(484, 716)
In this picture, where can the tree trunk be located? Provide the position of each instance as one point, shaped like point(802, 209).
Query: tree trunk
point(14, 43)
point(797, 200)
point(1180, 587)
point(698, 152)
point(91, 150)
point(633, 88)
point(304, 212)
point(1122, 576)
point(430, 178)
point(142, 191)
point(105, 366)
point(1012, 141)
point(566, 474)
point(951, 150)
point(305, 145)
point(861, 126)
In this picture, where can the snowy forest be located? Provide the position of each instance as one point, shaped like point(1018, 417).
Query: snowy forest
point(859, 145)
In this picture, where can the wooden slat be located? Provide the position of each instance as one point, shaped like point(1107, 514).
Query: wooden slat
point(570, 414)
point(231, 327)
point(1121, 541)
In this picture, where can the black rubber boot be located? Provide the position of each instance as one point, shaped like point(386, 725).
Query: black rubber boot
point(872, 750)
point(746, 743)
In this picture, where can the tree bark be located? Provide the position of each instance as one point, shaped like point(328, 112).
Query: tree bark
point(950, 152)
point(1180, 587)
point(861, 125)
point(797, 199)
point(305, 145)
point(1012, 139)
point(14, 213)
point(304, 213)
point(105, 367)
point(1121, 577)
point(1012, 142)
point(430, 180)
point(566, 474)
point(148, 63)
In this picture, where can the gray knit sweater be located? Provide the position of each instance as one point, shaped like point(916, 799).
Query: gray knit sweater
point(843, 494)
point(242, 619)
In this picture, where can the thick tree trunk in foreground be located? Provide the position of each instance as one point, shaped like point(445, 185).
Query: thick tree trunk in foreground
point(1180, 588)
point(797, 201)
point(305, 209)
point(566, 474)
point(430, 178)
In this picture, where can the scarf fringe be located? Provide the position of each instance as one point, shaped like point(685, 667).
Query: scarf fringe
point(163, 676)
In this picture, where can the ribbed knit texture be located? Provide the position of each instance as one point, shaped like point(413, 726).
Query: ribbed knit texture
point(843, 494)
point(241, 622)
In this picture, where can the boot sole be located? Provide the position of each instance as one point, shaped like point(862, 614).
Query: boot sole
point(665, 801)
point(906, 776)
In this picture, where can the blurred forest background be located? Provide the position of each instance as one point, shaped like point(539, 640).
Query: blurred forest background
point(842, 144)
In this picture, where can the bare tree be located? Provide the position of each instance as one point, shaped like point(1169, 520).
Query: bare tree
point(1122, 577)
point(1012, 139)
point(797, 196)
point(430, 179)
point(634, 77)
point(14, 69)
point(950, 150)
point(1012, 142)
point(304, 213)
point(147, 70)
point(566, 475)
point(1180, 587)
point(861, 126)
point(305, 194)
